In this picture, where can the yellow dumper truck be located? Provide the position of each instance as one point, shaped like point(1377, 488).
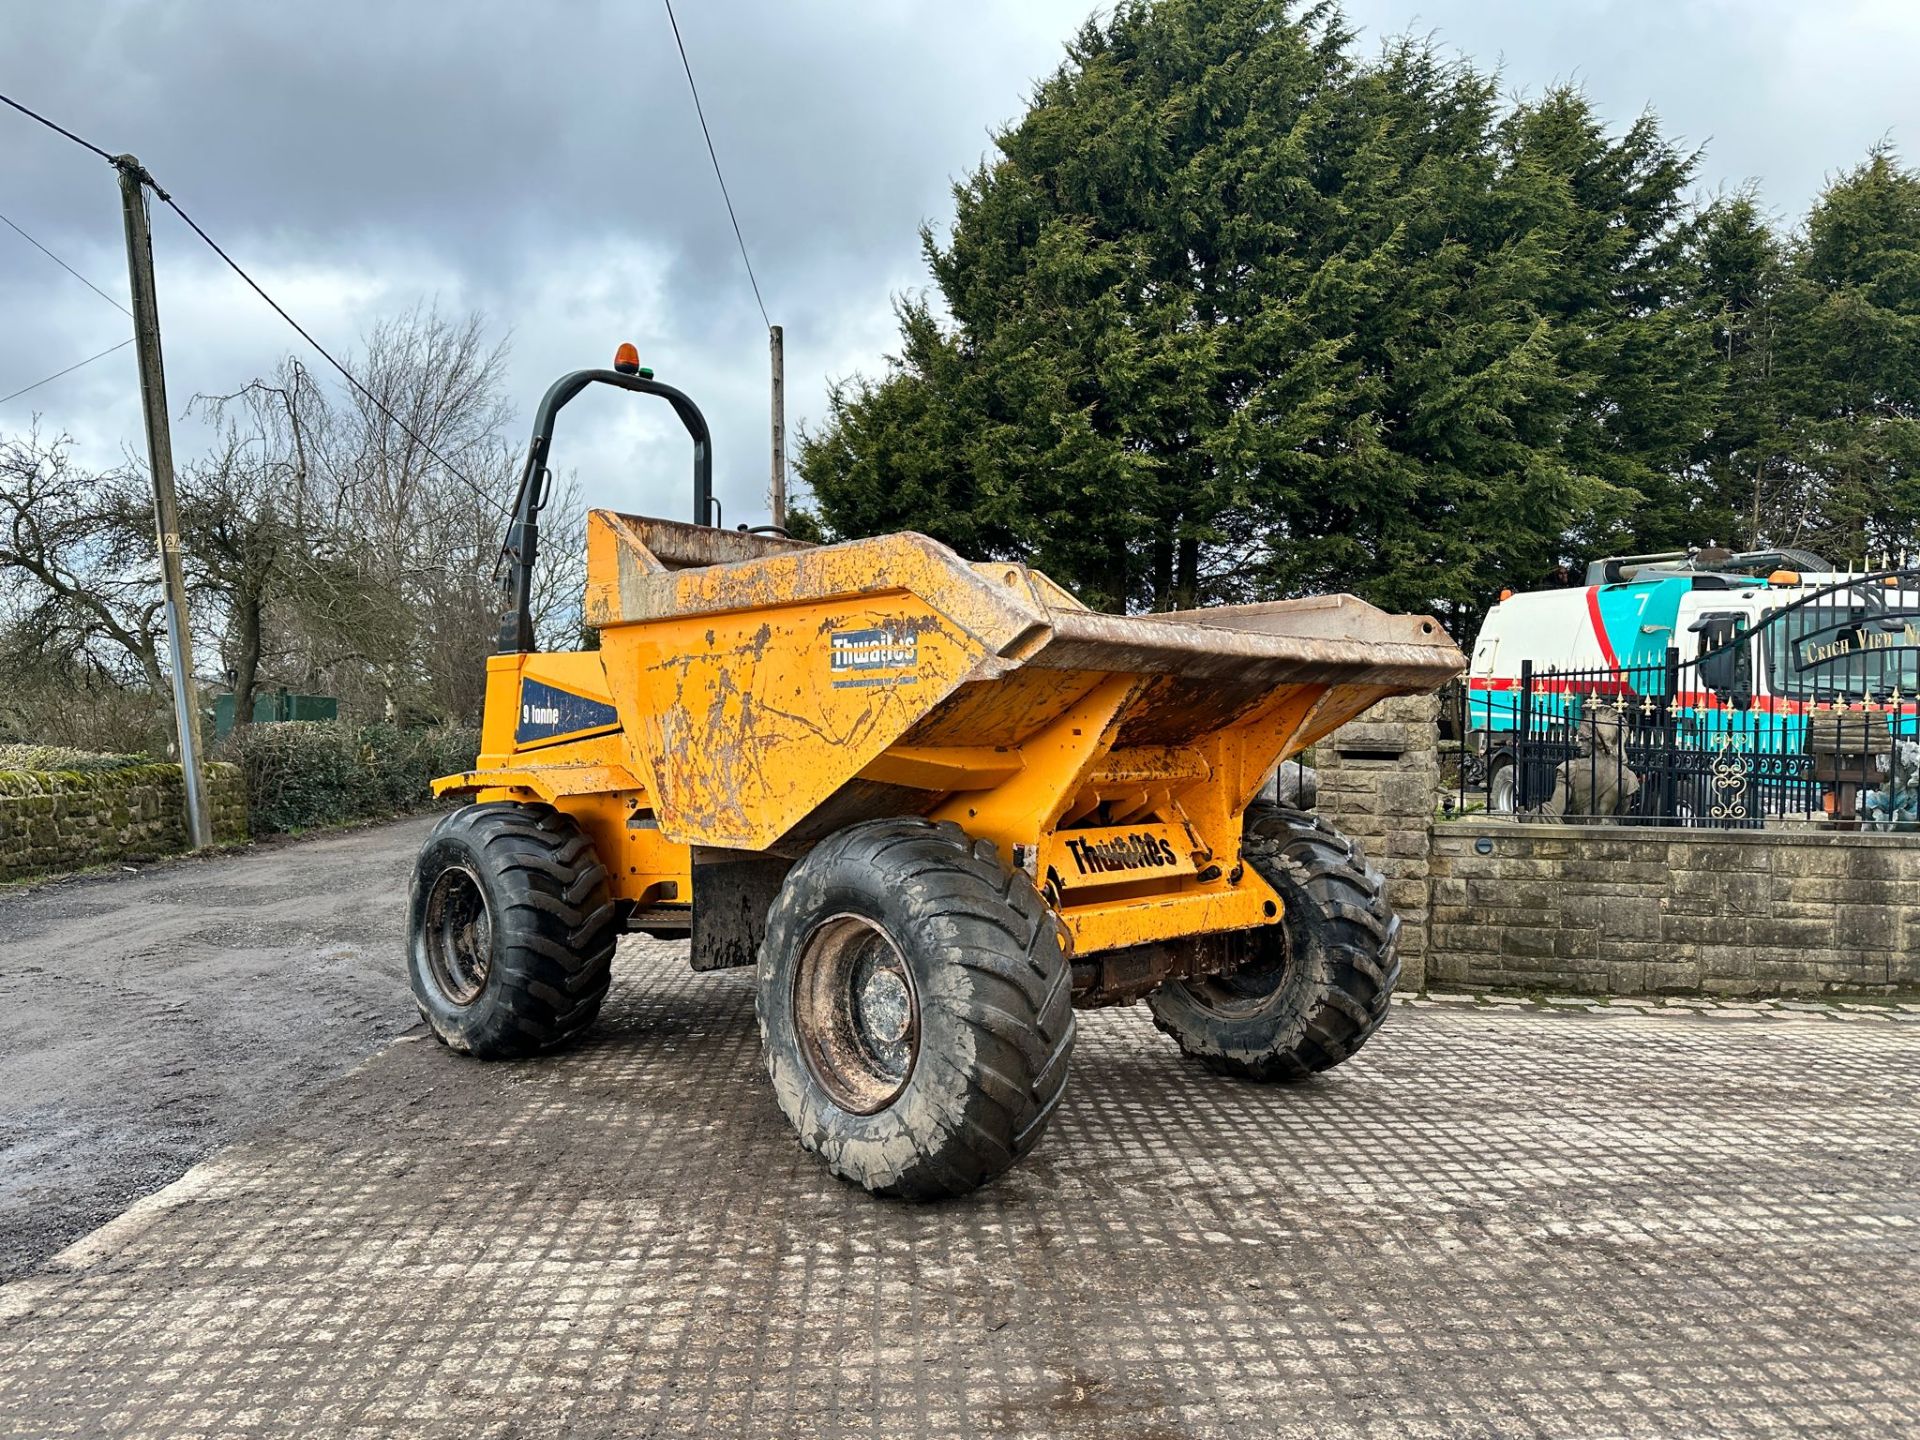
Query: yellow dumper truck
point(939, 804)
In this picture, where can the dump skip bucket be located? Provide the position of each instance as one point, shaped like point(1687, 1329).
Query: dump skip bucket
point(781, 690)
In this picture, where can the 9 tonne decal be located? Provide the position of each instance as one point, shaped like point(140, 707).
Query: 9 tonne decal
point(547, 713)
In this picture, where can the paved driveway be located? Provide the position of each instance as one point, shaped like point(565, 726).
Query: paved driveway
point(1497, 1221)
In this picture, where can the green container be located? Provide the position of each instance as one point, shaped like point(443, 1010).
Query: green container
point(269, 706)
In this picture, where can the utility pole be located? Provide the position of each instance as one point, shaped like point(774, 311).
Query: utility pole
point(777, 491)
point(153, 396)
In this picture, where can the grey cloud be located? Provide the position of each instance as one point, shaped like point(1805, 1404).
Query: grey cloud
point(542, 161)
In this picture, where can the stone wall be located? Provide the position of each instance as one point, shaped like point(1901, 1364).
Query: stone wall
point(1616, 909)
point(1637, 910)
point(69, 820)
point(1378, 776)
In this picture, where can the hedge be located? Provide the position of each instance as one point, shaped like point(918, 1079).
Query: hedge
point(301, 774)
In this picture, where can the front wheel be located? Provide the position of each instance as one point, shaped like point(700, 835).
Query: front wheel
point(915, 1008)
point(510, 930)
point(1317, 985)
point(1503, 788)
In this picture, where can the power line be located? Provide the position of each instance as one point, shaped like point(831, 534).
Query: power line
point(68, 268)
point(57, 129)
point(325, 354)
point(711, 155)
point(254, 285)
point(68, 371)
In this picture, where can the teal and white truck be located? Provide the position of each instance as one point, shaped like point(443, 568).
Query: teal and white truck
point(1723, 653)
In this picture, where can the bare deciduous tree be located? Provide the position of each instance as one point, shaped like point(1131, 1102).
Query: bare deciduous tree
point(373, 541)
point(248, 518)
point(78, 575)
point(333, 544)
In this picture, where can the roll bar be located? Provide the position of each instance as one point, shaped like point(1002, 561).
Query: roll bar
point(523, 531)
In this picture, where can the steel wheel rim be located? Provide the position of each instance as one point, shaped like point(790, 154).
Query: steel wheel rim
point(459, 934)
point(856, 1013)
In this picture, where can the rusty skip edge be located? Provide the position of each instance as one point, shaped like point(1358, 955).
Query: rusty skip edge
point(1336, 639)
point(1088, 640)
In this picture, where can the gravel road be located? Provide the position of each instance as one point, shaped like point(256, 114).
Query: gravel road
point(147, 1019)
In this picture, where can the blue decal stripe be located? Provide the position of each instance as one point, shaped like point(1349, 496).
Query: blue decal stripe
point(547, 712)
point(570, 735)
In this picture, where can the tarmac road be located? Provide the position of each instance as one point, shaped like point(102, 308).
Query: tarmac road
point(147, 1019)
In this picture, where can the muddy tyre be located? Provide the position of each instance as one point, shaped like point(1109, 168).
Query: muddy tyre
point(915, 1008)
point(510, 930)
point(1318, 983)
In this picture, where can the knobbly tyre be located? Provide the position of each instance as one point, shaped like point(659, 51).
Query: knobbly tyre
point(940, 805)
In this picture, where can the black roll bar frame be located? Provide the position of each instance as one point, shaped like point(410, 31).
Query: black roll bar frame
point(523, 531)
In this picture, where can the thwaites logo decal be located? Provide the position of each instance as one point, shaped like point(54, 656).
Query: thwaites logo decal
point(548, 712)
point(1140, 851)
point(881, 655)
point(1118, 855)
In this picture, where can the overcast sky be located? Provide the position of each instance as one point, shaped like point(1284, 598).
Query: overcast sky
point(542, 163)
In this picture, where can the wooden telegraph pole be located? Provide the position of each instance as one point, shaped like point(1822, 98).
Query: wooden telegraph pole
point(777, 491)
point(153, 395)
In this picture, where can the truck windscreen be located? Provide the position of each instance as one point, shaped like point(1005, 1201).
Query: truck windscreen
point(1823, 650)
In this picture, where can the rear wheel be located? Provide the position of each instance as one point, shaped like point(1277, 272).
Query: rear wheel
point(915, 1008)
point(511, 930)
point(1317, 984)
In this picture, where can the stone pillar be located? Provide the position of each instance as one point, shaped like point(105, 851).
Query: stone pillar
point(1378, 779)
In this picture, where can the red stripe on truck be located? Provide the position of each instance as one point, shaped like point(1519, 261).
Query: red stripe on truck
point(1600, 629)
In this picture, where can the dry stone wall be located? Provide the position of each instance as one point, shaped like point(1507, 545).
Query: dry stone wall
point(68, 820)
point(1637, 910)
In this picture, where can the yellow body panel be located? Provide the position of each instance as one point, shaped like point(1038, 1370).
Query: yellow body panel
point(749, 721)
point(753, 696)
